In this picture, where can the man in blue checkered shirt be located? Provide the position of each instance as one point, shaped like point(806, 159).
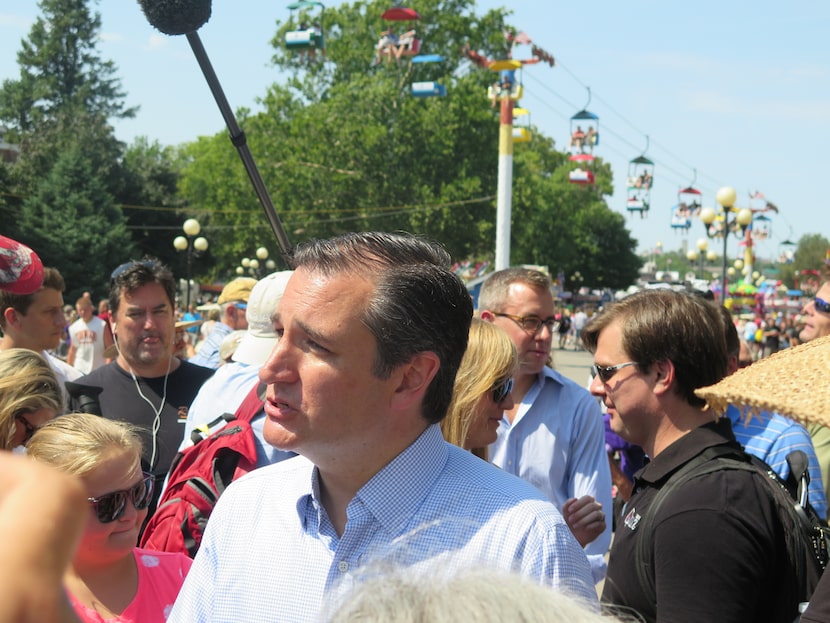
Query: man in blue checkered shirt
point(371, 330)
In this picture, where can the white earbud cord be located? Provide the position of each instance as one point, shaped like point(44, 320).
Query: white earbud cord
point(157, 412)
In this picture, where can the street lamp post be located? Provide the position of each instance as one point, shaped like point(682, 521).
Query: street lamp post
point(720, 225)
point(253, 266)
point(192, 242)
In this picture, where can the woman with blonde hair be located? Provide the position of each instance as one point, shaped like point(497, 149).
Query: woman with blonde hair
point(110, 578)
point(482, 389)
point(30, 396)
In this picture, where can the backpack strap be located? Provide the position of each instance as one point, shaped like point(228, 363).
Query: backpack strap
point(708, 461)
point(247, 411)
point(252, 404)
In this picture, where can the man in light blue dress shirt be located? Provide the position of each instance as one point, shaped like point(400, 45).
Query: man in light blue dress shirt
point(372, 328)
point(554, 437)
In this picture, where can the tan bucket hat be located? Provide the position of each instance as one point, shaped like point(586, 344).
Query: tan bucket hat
point(795, 382)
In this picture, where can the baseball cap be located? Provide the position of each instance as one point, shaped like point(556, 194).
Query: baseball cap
point(237, 291)
point(21, 271)
point(260, 338)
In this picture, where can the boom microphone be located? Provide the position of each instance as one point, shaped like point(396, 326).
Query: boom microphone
point(177, 17)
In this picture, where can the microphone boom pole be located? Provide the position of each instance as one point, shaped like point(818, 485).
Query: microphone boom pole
point(241, 143)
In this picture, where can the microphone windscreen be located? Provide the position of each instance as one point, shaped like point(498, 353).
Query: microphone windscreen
point(176, 17)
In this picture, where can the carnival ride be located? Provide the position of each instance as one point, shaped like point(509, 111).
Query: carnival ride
point(639, 183)
point(582, 143)
point(394, 46)
point(306, 39)
point(687, 207)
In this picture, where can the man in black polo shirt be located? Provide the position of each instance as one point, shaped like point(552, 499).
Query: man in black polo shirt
point(718, 546)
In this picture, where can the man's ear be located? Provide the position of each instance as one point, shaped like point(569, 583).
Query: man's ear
point(415, 377)
point(665, 376)
point(487, 315)
point(11, 316)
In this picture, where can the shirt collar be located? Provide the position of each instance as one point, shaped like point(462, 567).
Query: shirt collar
point(394, 494)
point(686, 448)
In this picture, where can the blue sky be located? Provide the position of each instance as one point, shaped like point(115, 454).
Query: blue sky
point(739, 91)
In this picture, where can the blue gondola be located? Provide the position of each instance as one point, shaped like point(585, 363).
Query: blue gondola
point(428, 88)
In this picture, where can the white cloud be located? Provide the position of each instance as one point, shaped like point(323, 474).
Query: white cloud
point(156, 42)
point(18, 22)
point(111, 37)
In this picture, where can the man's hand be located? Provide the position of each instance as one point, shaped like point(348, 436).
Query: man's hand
point(585, 518)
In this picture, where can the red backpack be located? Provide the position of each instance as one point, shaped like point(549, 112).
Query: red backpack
point(199, 475)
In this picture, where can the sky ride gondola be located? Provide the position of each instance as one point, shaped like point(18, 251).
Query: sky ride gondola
point(521, 131)
point(584, 130)
point(392, 45)
point(428, 88)
point(306, 39)
point(638, 184)
point(688, 206)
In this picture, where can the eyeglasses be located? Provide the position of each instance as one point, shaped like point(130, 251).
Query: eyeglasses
point(151, 264)
point(501, 389)
point(822, 305)
point(30, 429)
point(530, 324)
point(606, 373)
point(111, 506)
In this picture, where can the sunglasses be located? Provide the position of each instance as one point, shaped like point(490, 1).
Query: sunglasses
point(530, 324)
point(150, 264)
point(501, 389)
point(30, 430)
point(822, 305)
point(606, 373)
point(111, 506)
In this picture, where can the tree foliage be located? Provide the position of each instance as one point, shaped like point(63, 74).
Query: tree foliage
point(60, 70)
point(73, 223)
point(810, 254)
point(346, 147)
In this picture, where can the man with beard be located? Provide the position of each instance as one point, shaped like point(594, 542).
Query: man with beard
point(146, 385)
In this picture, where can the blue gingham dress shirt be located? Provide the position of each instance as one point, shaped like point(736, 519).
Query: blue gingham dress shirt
point(270, 552)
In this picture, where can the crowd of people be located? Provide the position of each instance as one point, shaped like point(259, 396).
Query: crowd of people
point(401, 439)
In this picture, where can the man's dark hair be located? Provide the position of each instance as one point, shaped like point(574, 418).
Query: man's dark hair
point(733, 341)
point(664, 325)
point(21, 302)
point(418, 304)
point(130, 276)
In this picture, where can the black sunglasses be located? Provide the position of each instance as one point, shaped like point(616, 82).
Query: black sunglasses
point(30, 430)
point(151, 264)
point(501, 389)
point(822, 305)
point(606, 373)
point(111, 506)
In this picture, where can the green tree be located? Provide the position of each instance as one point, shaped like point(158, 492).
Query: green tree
point(60, 70)
point(75, 226)
point(810, 254)
point(346, 147)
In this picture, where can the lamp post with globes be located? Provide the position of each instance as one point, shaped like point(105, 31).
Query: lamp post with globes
point(720, 225)
point(253, 266)
point(192, 242)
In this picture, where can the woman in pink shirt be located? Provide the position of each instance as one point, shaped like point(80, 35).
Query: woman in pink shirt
point(110, 579)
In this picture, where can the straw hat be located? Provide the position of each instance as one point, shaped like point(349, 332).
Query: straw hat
point(794, 382)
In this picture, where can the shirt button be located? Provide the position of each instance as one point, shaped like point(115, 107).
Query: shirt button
point(343, 566)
